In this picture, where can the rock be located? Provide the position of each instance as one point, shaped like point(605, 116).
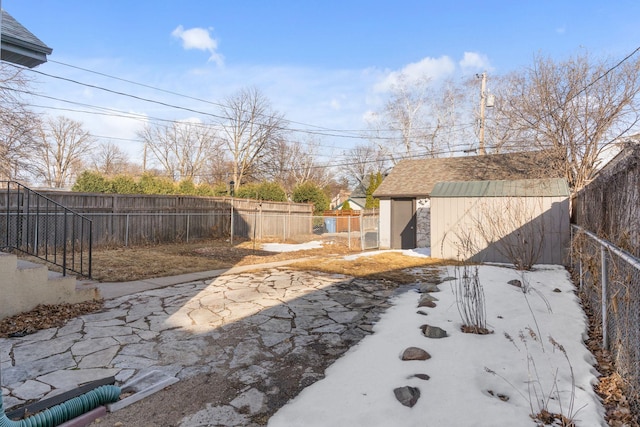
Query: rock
point(557, 290)
point(424, 377)
point(428, 297)
point(429, 287)
point(415, 353)
point(422, 312)
point(433, 331)
point(407, 395)
point(428, 304)
point(515, 282)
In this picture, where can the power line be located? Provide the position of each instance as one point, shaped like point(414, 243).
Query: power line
point(323, 131)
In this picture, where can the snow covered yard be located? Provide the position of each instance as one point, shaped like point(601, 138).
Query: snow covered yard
point(474, 380)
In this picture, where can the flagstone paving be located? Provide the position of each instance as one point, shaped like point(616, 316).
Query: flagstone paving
point(246, 328)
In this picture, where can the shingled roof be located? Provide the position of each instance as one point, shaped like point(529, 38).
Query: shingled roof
point(19, 45)
point(416, 178)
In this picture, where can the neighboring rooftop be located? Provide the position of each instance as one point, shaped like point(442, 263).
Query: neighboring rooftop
point(19, 45)
point(416, 178)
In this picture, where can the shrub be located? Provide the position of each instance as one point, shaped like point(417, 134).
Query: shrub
point(91, 182)
point(186, 187)
point(123, 184)
point(205, 189)
point(151, 184)
point(309, 192)
point(263, 191)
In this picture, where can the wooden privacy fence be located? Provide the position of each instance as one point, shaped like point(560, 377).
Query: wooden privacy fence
point(342, 220)
point(126, 219)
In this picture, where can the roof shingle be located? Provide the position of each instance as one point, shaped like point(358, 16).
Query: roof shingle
point(19, 45)
point(416, 178)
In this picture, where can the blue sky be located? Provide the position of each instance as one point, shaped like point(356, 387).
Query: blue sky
point(321, 63)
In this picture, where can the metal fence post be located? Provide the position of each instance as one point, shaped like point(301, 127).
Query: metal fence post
point(349, 230)
point(187, 228)
point(231, 233)
point(362, 233)
point(126, 231)
point(604, 274)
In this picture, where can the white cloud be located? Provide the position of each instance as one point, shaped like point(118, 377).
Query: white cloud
point(430, 68)
point(473, 61)
point(200, 39)
point(561, 30)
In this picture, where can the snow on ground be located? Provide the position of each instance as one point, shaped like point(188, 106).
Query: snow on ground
point(285, 247)
point(358, 388)
point(418, 252)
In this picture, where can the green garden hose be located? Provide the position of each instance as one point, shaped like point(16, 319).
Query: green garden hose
point(65, 411)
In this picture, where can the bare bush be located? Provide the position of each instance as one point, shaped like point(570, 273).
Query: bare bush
point(518, 233)
point(470, 293)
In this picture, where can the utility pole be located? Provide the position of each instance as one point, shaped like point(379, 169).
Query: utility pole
point(483, 102)
point(144, 157)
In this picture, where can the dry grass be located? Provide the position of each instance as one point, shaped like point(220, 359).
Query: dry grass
point(144, 262)
point(390, 266)
point(137, 263)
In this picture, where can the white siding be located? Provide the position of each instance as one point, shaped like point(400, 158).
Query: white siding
point(385, 224)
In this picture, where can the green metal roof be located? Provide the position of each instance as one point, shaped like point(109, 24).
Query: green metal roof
point(550, 187)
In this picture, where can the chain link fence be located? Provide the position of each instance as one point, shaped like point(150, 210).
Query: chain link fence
point(113, 229)
point(609, 279)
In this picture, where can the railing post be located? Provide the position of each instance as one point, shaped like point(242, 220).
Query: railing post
point(6, 242)
point(64, 244)
point(604, 279)
point(90, 245)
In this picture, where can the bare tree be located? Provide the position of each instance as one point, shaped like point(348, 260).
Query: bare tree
point(181, 149)
point(18, 126)
point(291, 163)
point(63, 147)
point(250, 124)
point(578, 107)
point(422, 119)
point(111, 160)
point(364, 160)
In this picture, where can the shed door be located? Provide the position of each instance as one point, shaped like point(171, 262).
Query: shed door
point(403, 224)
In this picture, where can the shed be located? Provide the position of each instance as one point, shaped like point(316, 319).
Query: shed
point(497, 221)
point(405, 193)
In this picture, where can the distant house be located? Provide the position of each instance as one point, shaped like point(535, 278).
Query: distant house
point(355, 203)
point(405, 219)
point(19, 45)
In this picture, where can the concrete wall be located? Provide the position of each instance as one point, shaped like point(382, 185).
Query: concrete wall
point(24, 285)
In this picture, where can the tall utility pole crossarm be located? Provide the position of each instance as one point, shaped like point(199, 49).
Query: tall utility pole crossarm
point(483, 96)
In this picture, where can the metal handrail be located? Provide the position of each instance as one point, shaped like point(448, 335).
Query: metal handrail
point(36, 225)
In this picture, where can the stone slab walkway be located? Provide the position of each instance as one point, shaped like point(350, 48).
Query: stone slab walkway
point(250, 329)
